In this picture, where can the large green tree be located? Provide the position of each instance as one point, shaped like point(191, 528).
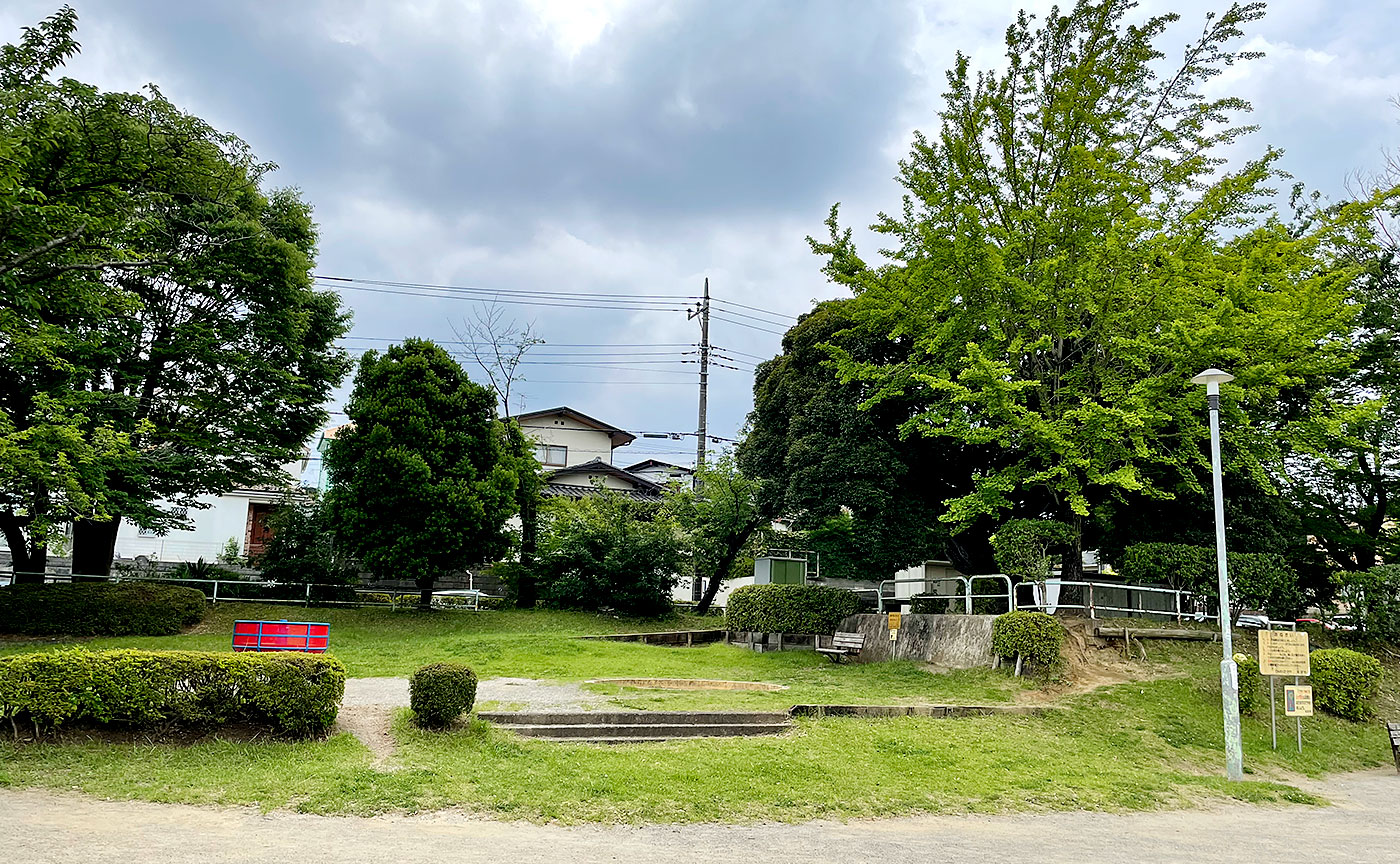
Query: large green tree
point(421, 480)
point(162, 337)
point(1070, 251)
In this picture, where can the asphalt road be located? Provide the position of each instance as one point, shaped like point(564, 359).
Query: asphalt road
point(38, 827)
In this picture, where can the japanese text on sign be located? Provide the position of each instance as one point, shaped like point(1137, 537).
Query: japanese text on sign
point(1297, 700)
point(1283, 652)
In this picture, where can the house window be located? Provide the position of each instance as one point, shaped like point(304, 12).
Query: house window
point(552, 455)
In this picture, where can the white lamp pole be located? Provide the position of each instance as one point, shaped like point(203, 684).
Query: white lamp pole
point(1229, 673)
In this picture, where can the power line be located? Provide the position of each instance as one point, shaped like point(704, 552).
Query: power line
point(754, 308)
point(580, 305)
point(718, 317)
point(753, 318)
point(511, 292)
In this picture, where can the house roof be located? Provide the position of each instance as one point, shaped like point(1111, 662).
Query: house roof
point(657, 463)
point(642, 488)
point(620, 437)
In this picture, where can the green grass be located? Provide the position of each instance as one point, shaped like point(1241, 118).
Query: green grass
point(1141, 745)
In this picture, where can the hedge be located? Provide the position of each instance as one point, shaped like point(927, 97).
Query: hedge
point(798, 609)
point(294, 694)
point(1257, 580)
point(1251, 684)
point(1344, 682)
point(1373, 600)
point(1033, 635)
point(440, 693)
point(100, 609)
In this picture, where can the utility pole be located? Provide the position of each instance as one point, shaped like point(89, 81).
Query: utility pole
point(702, 311)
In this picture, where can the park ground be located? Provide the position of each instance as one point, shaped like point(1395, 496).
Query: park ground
point(1120, 735)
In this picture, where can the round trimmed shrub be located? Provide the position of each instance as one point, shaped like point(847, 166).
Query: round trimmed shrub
point(1344, 682)
point(100, 609)
point(1033, 635)
point(796, 609)
point(1251, 684)
point(439, 693)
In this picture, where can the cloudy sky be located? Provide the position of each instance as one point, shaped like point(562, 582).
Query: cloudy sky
point(612, 147)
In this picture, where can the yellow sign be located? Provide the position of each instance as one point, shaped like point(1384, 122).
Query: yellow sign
point(1283, 652)
point(1297, 700)
point(894, 620)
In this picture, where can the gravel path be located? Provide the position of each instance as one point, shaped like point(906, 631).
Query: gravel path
point(46, 828)
point(369, 705)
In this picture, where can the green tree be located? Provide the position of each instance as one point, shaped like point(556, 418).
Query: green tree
point(611, 552)
point(1069, 254)
point(158, 316)
point(303, 548)
point(420, 485)
point(721, 516)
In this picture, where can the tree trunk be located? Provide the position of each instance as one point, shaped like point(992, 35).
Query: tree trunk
point(94, 544)
point(425, 594)
point(525, 593)
point(736, 544)
point(28, 562)
point(1072, 561)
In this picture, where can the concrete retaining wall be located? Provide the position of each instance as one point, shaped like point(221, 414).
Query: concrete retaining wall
point(949, 641)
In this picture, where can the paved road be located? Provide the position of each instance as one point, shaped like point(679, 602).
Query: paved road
point(41, 827)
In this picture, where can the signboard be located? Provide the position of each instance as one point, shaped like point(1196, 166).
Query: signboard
point(1297, 700)
point(1283, 652)
point(894, 625)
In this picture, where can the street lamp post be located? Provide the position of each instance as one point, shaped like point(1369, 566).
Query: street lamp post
point(1229, 673)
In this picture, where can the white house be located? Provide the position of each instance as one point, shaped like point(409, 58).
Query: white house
point(660, 472)
point(564, 437)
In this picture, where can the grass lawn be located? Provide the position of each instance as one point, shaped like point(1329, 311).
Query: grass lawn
point(1139, 745)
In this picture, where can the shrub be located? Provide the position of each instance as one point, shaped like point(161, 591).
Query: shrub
point(1035, 636)
point(1257, 580)
point(295, 694)
point(1373, 599)
point(100, 609)
point(789, 608)
point(1251, 684)
point(1023, 547)
point(440, 693)
point(609, 552)
point(1344, 682)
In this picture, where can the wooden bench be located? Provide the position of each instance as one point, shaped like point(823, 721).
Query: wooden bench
point(842, 646)
point(1394, 730)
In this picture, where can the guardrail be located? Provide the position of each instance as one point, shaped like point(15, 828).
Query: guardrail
point(364, 596)
point(1184, 603)
point(966, 594)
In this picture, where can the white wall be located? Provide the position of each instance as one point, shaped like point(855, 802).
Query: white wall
point(584, 442)
point(225, 517)
point(582, 479)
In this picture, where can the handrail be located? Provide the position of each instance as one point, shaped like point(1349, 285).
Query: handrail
point(1092, 608)
point(966, 594)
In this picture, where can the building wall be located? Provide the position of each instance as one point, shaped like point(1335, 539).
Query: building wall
point(663, 476)
point(582, 479)
point(585, 443)
point(225, 517)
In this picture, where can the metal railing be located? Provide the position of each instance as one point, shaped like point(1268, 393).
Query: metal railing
point(364, 595)
point(1184, 604)
point(966, 595)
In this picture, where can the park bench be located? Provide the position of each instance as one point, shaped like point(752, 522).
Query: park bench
point(843, 645)
point(311, 636)
point(1394, 730)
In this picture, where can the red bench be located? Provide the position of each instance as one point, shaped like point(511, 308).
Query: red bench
point(310, 636)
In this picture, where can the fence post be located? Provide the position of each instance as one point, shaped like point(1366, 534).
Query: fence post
point(1177, 595)
point(967, 583)
point(1091, 600)
point(308, 595)
point(216, 591)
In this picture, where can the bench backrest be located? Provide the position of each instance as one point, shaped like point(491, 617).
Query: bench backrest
point(853, 641)
point(310, 636)
point(1394, 734)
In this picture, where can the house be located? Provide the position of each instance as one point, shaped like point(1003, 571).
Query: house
point(564, 437)
point(662, 472)
point(581, 481)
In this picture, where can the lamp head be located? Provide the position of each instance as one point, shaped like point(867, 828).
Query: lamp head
point(1213, 378)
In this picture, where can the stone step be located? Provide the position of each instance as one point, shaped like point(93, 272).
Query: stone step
point(644, 732)
point(630, 718)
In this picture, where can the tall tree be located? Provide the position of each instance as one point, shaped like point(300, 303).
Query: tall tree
point(420, 485)
point(155, 299)
point(721, 514)
point(1069, 254)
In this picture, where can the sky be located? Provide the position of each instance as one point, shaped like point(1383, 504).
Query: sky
point(638, 147)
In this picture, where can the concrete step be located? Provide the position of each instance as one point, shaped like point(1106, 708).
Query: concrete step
point(630, 718)
point(647, 731)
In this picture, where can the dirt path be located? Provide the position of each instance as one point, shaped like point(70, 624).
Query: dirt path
point(369, 705)
point(46, 828)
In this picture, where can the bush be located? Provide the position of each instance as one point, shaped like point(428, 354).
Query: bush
point(1373, 600)
point(609, 552)
point(1257, 580)
point(1344, 682)
point(1251, 684)
point(295, 694)
point(100, 609)
point(440, 693)
point(798, 609)
point(1023, 547)
point(1035, 636)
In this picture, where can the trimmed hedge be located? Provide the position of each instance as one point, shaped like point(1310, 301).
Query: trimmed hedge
point(100, 609)
point(440, 693)
point(1257, 580)
point(1033, 635)
point(294, 694)
point(797, 609)
point(1345, 681)
point(1251, 684)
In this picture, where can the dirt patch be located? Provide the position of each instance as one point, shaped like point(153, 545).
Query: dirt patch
point(1091, 663)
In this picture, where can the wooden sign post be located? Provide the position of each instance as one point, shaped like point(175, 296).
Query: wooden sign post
point(1284, 653)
